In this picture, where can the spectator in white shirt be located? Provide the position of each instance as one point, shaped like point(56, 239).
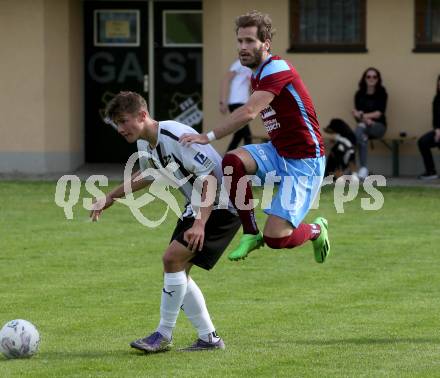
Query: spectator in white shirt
point(235, 91)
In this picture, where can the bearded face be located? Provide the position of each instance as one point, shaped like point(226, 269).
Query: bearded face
point(251, 51)
point(253, 58)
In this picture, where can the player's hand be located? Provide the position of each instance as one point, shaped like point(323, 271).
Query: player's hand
point(437, 135)
point(223, 108)
point(99, 205)
point(195, 237)
point(188, 139)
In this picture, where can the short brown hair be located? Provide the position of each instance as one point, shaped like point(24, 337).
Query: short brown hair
point(261, 20)
point(125, 102)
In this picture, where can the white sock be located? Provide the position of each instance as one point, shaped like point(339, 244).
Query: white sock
point(173, 293)
point(195, 309)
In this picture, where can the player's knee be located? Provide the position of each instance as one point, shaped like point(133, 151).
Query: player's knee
point(231, 160)
point(169, 261)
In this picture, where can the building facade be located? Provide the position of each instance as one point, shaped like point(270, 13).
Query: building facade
point(63, 59)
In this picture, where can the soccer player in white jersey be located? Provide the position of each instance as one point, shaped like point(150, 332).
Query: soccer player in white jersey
point(198, 239)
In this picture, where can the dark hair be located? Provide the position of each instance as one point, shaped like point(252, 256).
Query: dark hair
point(260, 20)
point(437, 88)
point(125, 102)
point(363, 85)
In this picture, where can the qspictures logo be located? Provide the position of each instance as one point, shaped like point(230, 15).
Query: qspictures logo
point(162, 182)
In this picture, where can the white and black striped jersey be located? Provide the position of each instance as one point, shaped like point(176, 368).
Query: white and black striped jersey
point(184, 164)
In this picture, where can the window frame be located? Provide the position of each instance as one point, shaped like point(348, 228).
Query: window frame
point(164, 27)
point(421, 46)
point(296, 46)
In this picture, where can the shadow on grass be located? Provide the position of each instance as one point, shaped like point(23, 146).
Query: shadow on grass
point(66, 355)
point(372, 341)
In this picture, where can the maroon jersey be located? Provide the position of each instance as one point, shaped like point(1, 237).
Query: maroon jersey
point(290, 119)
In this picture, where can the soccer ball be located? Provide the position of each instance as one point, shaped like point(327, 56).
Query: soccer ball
point(19, 339)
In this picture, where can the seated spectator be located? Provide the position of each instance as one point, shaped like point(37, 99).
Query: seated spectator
point(369, 112)
point(342, 154)
point(431, 139)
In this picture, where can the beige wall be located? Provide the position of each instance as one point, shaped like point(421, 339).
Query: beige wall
point(63, 80)
point(332, 78)
point(41, 69)
point(22, 70)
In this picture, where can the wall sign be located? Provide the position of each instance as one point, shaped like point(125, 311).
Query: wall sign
point(116, 27)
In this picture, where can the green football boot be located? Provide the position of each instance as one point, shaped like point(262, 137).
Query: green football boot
point(248, 243)
point(321, 245)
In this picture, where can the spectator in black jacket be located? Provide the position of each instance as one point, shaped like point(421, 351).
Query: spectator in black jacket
point(431, 139)
point(369, 112)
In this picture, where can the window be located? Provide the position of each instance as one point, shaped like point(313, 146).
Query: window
point(427, 28)
point(327, 25)
point(182, 28)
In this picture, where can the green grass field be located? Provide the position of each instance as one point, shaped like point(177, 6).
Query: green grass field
point(371, 310)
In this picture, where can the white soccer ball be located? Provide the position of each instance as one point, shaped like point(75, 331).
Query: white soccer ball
point(19, 339)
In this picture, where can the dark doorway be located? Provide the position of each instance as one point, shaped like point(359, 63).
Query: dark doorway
point(178, 62)
point(116, 58)
point(120, 54)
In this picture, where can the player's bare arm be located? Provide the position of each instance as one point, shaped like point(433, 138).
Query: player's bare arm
point(237, 119)
point(100, 204)
point(195, 236)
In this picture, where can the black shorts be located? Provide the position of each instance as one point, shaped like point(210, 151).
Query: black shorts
point(220, 229)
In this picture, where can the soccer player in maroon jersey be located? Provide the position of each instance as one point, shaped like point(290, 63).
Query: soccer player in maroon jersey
point(295, 151)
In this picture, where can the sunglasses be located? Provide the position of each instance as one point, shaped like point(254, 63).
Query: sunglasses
point(371, 77)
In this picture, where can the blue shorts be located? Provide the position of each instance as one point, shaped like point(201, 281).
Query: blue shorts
point(298, 181)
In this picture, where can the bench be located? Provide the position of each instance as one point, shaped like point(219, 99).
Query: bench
point(393, 145)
